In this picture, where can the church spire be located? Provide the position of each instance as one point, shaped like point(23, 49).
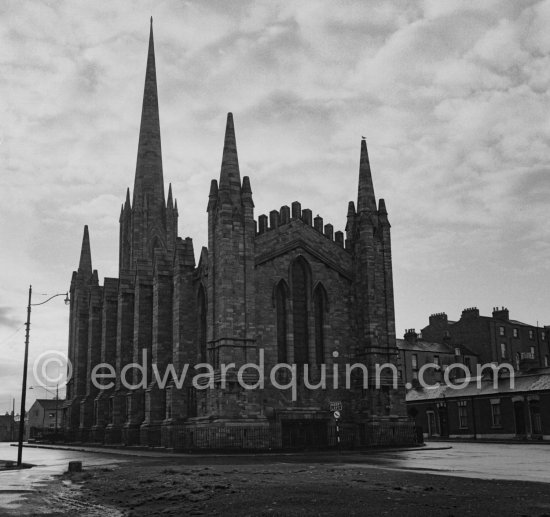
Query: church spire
point(230, 177)
point(149, 180)
point(85, 264)
point(170, 202)
point(366, 201)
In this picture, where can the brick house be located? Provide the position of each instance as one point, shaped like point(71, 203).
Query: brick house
point(43, 417)
point(7, 427)
point(285, 285)
point(416, 352)
point(495, 338)
point(481, 410)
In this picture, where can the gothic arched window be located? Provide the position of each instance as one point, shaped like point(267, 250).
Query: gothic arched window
point(299, 276)
point(202, 324)
point(281, 312)
point(319, 310)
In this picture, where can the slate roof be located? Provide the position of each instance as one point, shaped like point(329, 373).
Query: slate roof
point(538, 380)
point(48, 404)
point(421, 345)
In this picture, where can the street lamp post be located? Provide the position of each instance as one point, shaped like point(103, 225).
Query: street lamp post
point(24, 386)
point(25, 367)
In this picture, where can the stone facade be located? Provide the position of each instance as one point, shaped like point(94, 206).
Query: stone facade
point(285, 287)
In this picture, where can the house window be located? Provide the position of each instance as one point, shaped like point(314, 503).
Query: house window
point(436, 360)
point(532, 350)
point(457, 352)
point(463, 414)
point(414, 361)
point(545, 360)
point(501, 331)
point(51, 415)
point(516, 333)
point(495, 413)
point(518, 360)
point(543, 335)
point(503, 350)
point(531, 335)
point(447, 333)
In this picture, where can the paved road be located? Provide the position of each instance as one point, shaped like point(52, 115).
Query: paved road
point(15, 483)
point(525, 462)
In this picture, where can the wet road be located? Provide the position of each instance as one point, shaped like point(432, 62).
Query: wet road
point(48, 462)
point(524, 462)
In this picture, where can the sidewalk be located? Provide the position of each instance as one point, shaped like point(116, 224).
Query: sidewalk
point(12, 465)
point(487, 440)
point(163, 453)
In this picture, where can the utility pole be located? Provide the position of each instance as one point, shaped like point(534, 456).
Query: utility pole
point(56, 408)
point(24, 384)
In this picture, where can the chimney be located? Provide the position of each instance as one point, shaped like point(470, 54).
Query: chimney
point(501, 314)
point(471, 312)
point(410, 336)
point(439, 320)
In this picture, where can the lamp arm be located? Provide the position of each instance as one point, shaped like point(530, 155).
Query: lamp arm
point(50, 298)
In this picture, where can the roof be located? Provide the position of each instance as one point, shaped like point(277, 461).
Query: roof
point(49, 403)
point(516, 322)
point(538, 380)
point(421, 345)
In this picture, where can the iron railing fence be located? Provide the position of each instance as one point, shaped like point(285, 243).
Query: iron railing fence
point(280, 436)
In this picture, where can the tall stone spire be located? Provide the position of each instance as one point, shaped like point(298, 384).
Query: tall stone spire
point(85, 264)
point(230, 177)
point(366, 201)
point(149, 180)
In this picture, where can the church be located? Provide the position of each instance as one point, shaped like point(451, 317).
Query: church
point(285, 288)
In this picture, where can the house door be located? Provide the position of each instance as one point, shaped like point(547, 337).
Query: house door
point(536, 423)
point(519, 417)
point(432, 424)
point(443, 421)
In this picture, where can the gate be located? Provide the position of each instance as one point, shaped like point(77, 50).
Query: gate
point(304, 434)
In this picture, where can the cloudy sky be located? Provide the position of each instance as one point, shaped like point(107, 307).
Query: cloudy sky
point(451, 95)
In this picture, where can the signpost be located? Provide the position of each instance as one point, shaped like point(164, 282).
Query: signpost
point(336, 407)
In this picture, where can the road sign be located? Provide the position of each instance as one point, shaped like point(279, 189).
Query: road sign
point(337, 415)
point(336, 406)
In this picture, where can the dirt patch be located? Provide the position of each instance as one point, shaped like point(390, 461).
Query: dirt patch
point(152, 488)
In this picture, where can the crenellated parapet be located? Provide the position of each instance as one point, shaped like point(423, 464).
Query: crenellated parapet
point(286, 215)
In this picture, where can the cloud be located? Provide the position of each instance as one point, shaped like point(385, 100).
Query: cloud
point(452, 97)
point(7, 320)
